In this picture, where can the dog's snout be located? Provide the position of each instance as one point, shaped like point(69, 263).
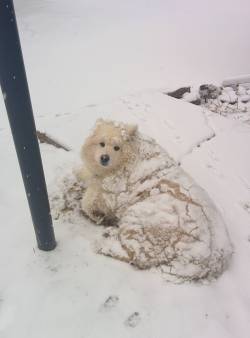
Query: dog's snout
point(105, 159)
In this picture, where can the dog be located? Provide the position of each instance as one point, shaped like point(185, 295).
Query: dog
point(105, 152)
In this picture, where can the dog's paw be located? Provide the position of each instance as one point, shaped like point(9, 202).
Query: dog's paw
point(97, 216)
point(110, 221)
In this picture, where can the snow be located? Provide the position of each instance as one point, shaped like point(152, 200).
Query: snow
point(90, 59)
point(245, 98)
point(236, 80)
point(85, 52)
point(170, 127)
point(227, 101)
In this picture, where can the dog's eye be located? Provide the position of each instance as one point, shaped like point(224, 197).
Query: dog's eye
point(102, 144)
point(116, 148)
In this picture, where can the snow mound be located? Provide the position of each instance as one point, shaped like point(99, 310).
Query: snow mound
point(164, 220)
point(230, 101)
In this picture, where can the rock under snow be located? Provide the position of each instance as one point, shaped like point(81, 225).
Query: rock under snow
point(228, 96)
point(241, 90)
point(245, 98)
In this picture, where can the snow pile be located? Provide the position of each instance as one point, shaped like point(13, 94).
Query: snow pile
point(164, 219)
point(232, 102)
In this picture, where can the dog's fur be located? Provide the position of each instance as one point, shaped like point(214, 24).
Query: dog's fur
point(104, 139)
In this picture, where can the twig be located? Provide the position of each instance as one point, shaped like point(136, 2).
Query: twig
point(45, 138)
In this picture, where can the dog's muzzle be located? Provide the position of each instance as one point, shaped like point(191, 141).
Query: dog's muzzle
point(104, 159)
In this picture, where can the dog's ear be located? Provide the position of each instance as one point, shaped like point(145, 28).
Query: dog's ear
point(99, 121)
point(131, 129)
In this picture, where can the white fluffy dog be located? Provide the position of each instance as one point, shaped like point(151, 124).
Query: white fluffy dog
point(105, 153)
point(162, 217)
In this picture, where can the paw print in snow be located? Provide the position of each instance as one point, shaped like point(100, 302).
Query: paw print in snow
point(110, 303)
point(246, 206)
point(133, 320)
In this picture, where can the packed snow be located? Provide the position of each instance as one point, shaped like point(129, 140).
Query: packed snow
point(91, 59)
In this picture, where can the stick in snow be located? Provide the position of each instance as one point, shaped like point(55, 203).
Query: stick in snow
point(45, 138)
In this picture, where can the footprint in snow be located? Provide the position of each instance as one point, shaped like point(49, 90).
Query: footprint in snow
point(110, 303)
point(133, 320)
point(246, 206)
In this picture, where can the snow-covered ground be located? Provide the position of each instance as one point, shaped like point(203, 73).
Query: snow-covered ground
point(231, 101)
point(83, 59)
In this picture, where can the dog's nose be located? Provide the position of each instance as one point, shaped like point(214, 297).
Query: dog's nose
point(105, 159)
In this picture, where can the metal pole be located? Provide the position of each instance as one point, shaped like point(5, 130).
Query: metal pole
point(18, 105)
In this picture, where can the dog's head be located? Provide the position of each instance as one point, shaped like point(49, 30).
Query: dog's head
point(109, 147)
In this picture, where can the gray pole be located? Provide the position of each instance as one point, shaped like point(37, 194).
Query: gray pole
point(19, 109)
